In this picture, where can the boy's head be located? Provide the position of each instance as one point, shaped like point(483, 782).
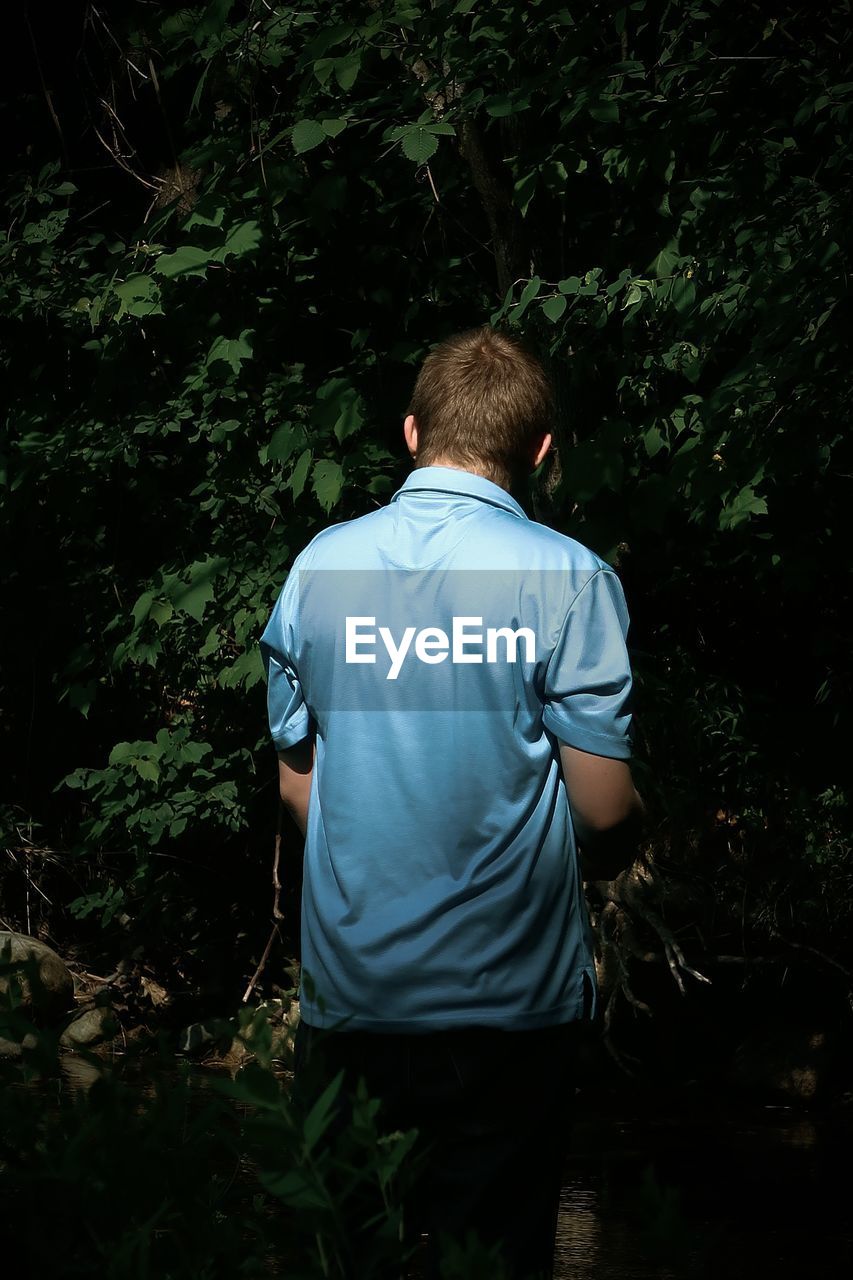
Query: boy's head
point(484, 403)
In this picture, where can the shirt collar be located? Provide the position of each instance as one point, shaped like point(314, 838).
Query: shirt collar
point(466, 483)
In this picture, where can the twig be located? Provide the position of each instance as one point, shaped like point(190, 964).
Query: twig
point(85, 973)
point(432, 184)
point(276, 909)
point(120, 161)
point(261, 965)
point(277, 913)
point(26, 872)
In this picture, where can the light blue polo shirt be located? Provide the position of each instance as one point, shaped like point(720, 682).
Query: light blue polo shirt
point(441, 648)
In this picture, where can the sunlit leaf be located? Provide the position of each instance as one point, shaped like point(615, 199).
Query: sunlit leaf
point(306, 135)
point(419, 146)
point(328, 481)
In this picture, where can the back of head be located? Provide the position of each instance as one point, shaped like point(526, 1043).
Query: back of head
point(481, 401)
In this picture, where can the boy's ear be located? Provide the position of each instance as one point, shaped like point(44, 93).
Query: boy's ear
point(410, 434)
point(542, 449)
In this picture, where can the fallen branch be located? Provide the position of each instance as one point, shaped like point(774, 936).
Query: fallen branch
point(261, 965)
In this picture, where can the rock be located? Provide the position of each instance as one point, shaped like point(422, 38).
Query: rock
point(91, 1026)
point(48, 992)
point(199, 1037)
point(13, 1049)
point(79, 1073)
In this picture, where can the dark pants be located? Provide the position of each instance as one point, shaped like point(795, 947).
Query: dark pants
point(493, 1110)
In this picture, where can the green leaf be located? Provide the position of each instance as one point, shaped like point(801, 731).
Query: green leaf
point(653, 441)
point(327, 38)
point(339, 407)
point(347, 69)
point(161, 612)
point(196, 98)
point(419, 145)
point(525, 189)
point(232, 350)
point(212, 21)
point(294, 1188)
point(380, 484)
point(179, 25)
point(333, 126)
point(665, 263)
point(142, 608)
point(81, 696)
point(328, 481)
point(307, 134)
point(188, 260)
point(284, 441)
point(208, 212)
point(570, 285)
point(606, 110)
point(244, 238)
point(247, 670)
point(320, 1116)
point(528, 293)
point(506, 104)
point(619, 283)
point(193, 597)
point(296, 483)
point(683, 294)
point(47, 229)
point(193, 752)
point(745, 504)
point(323, 70)
point(139, 295)
point(554, 307)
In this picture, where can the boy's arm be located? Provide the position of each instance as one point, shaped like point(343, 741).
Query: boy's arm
point(607, 811)
point(291, 726)
point(295, 771)
point(588, 688)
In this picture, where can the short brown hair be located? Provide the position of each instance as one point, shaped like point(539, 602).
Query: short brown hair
point(481, 400)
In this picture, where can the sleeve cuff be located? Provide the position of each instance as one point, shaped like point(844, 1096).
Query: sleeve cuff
point(298, 729)
point(597, 744)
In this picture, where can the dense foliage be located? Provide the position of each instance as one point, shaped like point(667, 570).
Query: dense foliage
point(231, 233)
point(168, 1174)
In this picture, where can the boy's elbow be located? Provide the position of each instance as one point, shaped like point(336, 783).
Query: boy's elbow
point(609, 844)
point(607, 819)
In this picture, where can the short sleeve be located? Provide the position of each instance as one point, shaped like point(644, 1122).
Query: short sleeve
point(289, 719)
point(588, 683)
